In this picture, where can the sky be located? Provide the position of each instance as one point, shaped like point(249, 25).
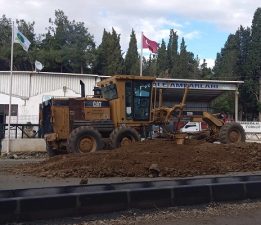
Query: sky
point(205, 25)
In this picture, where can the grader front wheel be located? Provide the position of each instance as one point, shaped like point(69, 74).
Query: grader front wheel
point(232, 133)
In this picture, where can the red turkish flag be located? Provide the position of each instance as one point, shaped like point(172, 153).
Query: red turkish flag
point(151, 45)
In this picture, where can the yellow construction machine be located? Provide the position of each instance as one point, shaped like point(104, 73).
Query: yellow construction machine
point(123, 110)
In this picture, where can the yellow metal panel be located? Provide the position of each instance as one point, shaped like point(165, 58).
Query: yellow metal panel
point(61, 121)
point(97, 113)
point(123, 78)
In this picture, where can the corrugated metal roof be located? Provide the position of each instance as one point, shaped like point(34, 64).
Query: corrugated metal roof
point(27, 84)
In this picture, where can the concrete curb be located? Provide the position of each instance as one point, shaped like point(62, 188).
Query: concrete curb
point(30, 204)
point(24, 145)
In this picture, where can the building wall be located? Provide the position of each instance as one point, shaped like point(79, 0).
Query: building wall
point(28, 110)
point(28, 84)
point(30, 88)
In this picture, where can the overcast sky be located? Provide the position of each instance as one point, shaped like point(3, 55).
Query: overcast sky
point(205, 25)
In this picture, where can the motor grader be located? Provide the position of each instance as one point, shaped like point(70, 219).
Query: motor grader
point(123, 110)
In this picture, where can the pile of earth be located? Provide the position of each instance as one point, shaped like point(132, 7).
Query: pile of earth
point(157, 157)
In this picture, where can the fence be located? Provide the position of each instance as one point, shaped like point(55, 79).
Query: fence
point(22, 126)
point(20, 131)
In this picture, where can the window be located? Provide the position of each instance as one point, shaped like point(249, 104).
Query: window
point(142, 88)
point(109, 92)
point(137, 99)
point(187, 126)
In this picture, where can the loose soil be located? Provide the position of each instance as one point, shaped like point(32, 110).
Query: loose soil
point(136, 160)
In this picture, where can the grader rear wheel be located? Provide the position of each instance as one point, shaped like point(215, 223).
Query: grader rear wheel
point(123, 136)
point(232, 133)
point(84, 139)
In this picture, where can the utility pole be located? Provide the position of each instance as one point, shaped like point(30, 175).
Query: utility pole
point(259, 97)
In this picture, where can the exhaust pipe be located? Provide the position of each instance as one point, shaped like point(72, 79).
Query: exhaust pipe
point(82, 89)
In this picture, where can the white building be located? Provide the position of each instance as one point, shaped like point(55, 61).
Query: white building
point(29, 89)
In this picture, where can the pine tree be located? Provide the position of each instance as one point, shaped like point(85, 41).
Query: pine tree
point(22, 60)
point(67, 46)
point(132, 56)
point(5, 42)
point(25, 60)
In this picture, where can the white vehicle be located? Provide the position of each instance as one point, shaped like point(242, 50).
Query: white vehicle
point(192, 127)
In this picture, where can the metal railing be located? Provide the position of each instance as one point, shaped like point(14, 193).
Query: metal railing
point(19, 130)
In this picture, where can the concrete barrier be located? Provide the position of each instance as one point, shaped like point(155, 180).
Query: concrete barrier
point(36, 203)
point(24, 145)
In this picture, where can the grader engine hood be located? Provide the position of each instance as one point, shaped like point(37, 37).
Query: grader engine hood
point(96, 109)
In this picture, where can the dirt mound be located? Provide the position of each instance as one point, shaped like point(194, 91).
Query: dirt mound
point(166, 158)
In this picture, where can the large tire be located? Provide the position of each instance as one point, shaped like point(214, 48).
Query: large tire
point(232, 133)
point(84, 139)
point(123, 136)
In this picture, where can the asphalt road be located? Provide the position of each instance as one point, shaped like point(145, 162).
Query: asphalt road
point(240, 213)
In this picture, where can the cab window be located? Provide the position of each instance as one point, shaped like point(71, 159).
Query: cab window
point(137, 102)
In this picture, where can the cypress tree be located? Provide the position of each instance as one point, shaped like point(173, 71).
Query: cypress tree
point(101, 59)
point(182, 67)
point(227, 60)
point(115, 60)
point(172, 53)
point(255, 45)
point(255, 58)
point(206, 72)
point(132, 56)
point(162, 60)
point(109, 59)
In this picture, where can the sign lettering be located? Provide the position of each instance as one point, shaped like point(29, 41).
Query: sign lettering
point(251, 126)
point(96, 104)
point(194, 85)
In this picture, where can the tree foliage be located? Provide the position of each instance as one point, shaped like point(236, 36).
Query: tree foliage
point(132, 56)
point(240, 59)
point(22, 60)
point(109, 58)
point(67, 46)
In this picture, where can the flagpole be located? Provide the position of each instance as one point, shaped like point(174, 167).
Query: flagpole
point(10, 90)
point(141, 53)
